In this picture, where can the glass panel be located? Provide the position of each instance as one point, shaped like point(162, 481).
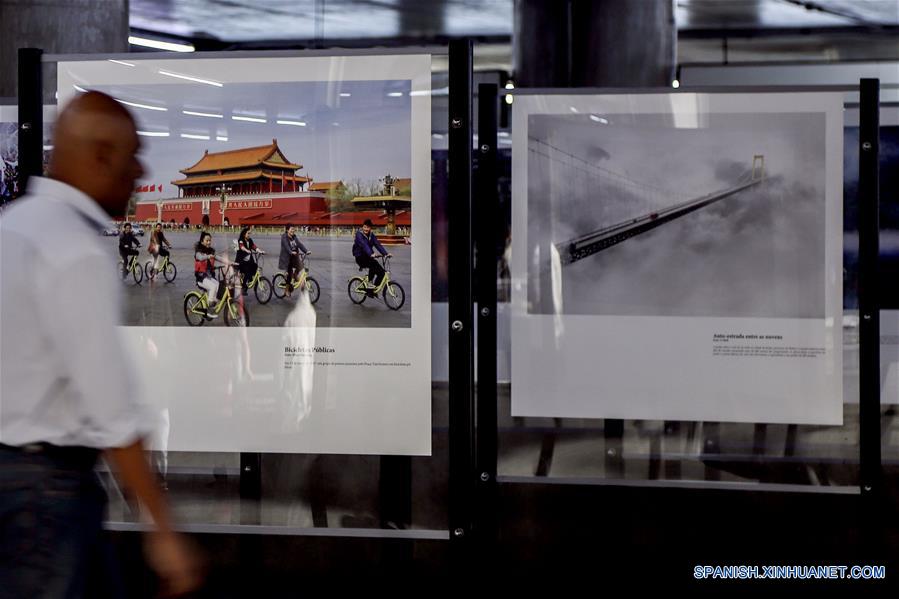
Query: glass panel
point(333, 141)
point(671, 451)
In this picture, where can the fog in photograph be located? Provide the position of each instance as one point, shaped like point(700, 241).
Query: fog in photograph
point(715, 215)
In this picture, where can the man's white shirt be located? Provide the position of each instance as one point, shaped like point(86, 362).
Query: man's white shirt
point(65, 375)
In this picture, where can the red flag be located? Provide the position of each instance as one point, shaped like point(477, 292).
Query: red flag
point(153, 187)
point(160, 188)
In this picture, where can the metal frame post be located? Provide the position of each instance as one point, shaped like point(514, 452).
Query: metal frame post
point(250, 487)
point(486, 228)
point(461, 333)
point(31, 116)
point(868, 302)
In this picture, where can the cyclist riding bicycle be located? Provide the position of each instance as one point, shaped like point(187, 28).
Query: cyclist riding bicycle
point(159, 246)
point(204, 271)
point(128, 245)
point(246, 262)
point(292, 253)
point(364, 247)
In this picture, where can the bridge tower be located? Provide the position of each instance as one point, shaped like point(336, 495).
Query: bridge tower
point(758, 167)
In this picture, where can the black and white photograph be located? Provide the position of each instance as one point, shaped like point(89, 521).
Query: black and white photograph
point(673, 215)
point(705, 226)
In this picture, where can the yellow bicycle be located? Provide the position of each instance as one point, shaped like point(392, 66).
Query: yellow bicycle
point(167, 268)
point(196, 305)
point(133, 267)
point(303, 281)
point(360, 288)
point(260, 285)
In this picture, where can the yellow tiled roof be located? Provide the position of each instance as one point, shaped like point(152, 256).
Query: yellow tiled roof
point(243, 157)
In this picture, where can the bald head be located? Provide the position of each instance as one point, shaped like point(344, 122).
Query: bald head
point(95, 148)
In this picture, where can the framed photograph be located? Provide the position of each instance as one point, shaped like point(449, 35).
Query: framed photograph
point(678, 256)
point(276, 278)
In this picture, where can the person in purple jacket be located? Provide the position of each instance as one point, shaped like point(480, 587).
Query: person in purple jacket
point(364, 251)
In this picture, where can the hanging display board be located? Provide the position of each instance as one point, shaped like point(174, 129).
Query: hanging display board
point(322, 143)
point(678, 256)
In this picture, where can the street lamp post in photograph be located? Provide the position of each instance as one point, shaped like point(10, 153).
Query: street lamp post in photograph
point(223, 190)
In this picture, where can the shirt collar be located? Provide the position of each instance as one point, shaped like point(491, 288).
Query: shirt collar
point(73, 197)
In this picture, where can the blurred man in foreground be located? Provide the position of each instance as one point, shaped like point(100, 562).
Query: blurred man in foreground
point(67, 390)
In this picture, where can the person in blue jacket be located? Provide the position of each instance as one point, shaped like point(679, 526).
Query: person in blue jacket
point(292, 255)
point(364, 251)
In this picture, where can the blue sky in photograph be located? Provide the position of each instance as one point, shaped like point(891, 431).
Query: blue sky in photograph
point(350, 129)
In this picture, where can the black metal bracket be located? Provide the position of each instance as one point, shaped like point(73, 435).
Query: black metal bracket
point(486, 230)
point(868, 303)
point(31, 116)
point(250, 485)
point(461, 306)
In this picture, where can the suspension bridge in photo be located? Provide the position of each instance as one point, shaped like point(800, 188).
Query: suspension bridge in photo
point(577, 175)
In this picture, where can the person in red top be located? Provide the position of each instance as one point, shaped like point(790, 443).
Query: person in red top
point(204, 270)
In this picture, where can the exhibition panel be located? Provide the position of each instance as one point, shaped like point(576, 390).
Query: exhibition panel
point(309, 405)
point(675, 298)
point(274, 144)
point(641, 237)
point(701, 226)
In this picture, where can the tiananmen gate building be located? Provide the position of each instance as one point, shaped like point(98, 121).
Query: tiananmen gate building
point(261, 186)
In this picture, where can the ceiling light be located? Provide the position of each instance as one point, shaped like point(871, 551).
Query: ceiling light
point(136, 105)
point(189, 78)
point(206, 114)
point(248, 119)
point(159, 45)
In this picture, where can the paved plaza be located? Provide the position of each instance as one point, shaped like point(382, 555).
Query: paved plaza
point(157, 303)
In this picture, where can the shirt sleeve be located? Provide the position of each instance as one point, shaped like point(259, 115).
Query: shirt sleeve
point(378, 245)
point(80, 311)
